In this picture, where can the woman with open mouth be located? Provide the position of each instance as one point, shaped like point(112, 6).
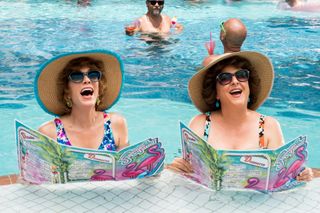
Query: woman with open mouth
point(78, 88)
point(227, 92)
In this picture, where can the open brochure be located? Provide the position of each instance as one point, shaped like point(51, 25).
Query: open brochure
point(43, 160)
point(263, 170)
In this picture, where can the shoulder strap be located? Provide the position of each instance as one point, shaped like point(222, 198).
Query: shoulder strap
point(61, 133)
point(262, 144)
point(108, 142)
point(58, 124)
point(105, 115)
point(207, 126)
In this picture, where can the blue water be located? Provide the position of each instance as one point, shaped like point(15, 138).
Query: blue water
point(155, 94)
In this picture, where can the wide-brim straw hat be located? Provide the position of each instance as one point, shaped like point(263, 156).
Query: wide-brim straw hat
point(262, 66)
point(46, 88)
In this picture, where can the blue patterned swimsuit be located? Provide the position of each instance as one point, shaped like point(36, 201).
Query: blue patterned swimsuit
point(106, 144)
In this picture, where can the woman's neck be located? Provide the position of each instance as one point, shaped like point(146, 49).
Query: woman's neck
point(83, 118)
point(232, 115)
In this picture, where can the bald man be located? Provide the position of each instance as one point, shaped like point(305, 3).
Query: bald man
point(232, 35)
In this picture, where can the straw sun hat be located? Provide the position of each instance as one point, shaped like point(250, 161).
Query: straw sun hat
point(46, 88)
point(263, 68)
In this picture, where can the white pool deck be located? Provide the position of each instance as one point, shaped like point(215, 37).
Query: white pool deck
point(167, 193)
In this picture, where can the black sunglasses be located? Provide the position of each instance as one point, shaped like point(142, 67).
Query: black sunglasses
point(225, 78)
point(77, 77)
point(160, 3)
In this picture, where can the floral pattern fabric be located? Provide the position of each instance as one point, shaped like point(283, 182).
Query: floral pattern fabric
point(107, 141)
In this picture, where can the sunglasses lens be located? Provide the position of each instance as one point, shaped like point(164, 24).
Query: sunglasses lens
point(94, 75)
point(224, 78)
point(242, 75)
point(76, 76)
point(155, 2)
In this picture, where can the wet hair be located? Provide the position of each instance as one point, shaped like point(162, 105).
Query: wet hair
point(76, 65)
point(209, 91)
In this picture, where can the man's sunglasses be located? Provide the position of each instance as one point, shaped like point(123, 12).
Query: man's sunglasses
point(160, 3)
point(77, 77)
point(222, 27)
point(225, 78)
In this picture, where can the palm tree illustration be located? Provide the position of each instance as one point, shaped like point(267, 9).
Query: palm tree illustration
point(214, 162)
point(55, 154)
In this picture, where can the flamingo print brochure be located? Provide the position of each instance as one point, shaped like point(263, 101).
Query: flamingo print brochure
point(262, 170)
point(43, 160)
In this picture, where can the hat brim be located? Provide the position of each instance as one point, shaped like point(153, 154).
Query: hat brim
point(45, 85)
point(262, 66)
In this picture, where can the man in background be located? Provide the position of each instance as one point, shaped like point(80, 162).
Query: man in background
point(232, 35)
point(153, 21)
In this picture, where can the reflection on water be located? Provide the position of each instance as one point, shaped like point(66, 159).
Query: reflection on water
point(158, 43)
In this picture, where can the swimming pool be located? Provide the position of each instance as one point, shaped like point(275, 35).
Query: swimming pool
point(155, 95)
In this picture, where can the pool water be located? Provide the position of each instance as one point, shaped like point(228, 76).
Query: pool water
point(155, 94)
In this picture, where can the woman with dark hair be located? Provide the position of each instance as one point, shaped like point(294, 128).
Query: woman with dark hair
point(227, 92)
point(77, 88)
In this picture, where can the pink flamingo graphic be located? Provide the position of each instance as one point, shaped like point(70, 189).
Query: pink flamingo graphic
point(131, 173)
point(148, 162)
point(287, 174)
point(99, 175)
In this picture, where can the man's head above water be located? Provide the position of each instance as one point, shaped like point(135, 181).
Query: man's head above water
point(232, 35)
point(155, 7)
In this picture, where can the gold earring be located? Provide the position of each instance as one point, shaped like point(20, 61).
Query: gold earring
point(69, 102)
point(98, 101)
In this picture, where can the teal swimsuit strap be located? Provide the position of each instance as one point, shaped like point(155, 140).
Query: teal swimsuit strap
point(207, 126)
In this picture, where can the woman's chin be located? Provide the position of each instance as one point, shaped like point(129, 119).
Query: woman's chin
point(238, 103)
point(87, 104)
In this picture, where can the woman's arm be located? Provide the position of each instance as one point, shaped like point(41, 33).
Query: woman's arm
point(179, 164)
point(273, 133)
point(275, 140)
point(316, 172)
point(119, 130)
point(48, 129)
point(197, 124)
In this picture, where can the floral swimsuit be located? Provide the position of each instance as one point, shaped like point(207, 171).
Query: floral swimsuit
point(106, 144)
point(261, 130)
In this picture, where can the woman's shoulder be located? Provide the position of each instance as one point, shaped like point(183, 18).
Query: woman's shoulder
point(49, 129)
point(198, 118)
point(271, 121)
point(273, 132)
point(197, 123)
point(116, 117)
point(119, 128)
